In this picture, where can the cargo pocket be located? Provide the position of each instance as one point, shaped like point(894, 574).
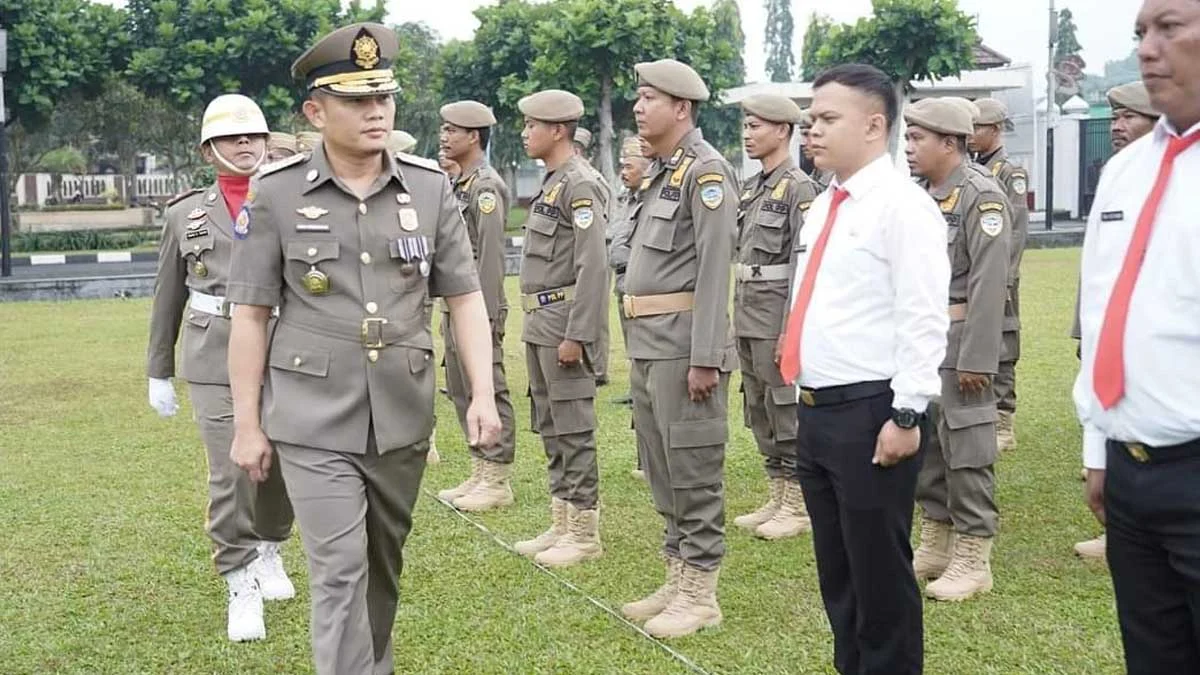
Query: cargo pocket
point(697, 452)
point(300, 360)
point(572, 408)
point(972, 436)
point(782, 411)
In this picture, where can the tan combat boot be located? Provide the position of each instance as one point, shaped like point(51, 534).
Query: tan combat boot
point(1092, 549)
point(493, 491)
point(432, 457)
point(792, 517)
point(581, 543)
point(932, 557)
point(558, 528)
point(450, 494)
point(693, 608)
point(1006, 435)
point(652, 605)
point(969, 573)
point(752, 520)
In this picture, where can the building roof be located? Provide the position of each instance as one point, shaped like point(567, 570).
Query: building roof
point(987, 58)
point(969, 84)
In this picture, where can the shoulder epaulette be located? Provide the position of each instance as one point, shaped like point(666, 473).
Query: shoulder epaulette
point(184, 195)
point(282, 164)
point(422, 162)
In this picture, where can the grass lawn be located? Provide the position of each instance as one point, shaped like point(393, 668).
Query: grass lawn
point(105, 566)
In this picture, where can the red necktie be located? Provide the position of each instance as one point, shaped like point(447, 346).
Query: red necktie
point(789, 359)
point(1108, 372)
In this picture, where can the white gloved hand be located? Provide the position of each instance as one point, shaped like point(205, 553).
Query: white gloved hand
point(162, 397)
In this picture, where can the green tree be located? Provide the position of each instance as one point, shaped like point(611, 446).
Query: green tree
point(417, 104)
point(1068, 41)
point(815, 37)
point(57, 48)
point(714, 47)
point(780, 61)
point(190, 51)
point(591, 46)
point(909, 40)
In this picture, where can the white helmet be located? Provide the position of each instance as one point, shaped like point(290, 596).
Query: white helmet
point(401, 141)
point(232, 115)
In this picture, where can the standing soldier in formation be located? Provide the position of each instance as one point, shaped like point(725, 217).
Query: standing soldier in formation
point(633, 171)
point(582, 140)
point(349, 242)
point(246, 522)
point(676, 304)
point(281, 146)
point(307, 141)
point(773, 206)
point(563, 270)
point(956, 486)
point(484, 200)
point(820, 176)
point(988, 144)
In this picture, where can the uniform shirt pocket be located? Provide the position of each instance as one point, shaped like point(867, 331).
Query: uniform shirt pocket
point(540, 236)
point(660, 226)
point(768, 235)
point(300, 360)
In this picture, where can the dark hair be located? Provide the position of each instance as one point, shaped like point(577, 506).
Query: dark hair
point(569, 128)
point(868, 80)
point(485, 134)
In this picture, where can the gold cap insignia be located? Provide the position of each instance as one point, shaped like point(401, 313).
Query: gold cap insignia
point(365, 51)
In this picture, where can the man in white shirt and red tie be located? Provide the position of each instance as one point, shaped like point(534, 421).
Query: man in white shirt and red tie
point(1140, 406)
point(864, 339)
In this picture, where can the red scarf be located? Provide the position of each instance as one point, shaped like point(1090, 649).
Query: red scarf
point(234, 189)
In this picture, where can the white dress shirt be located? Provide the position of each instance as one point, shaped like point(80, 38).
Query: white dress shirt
point(1161, 405)
point(880, 297)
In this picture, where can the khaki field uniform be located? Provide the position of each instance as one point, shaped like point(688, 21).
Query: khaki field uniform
point(349, 391)
point(194, 261)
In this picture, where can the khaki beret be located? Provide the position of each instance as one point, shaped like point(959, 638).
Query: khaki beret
point(281, 141)
point(1132, 95)
point(991, 111)
point(940, 116)
point(672, 77)
point(965, 104)
point(307, 141)
point(631, 147)
point(583, 137)
point(401, 141)
point(773, 108)
point(354, 60)
point(552, 105)
point(468, 114)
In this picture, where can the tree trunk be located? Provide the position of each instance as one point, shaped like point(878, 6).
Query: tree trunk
point(129, 170)
point(606, 131)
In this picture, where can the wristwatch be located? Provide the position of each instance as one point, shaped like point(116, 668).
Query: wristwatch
point(905, 418)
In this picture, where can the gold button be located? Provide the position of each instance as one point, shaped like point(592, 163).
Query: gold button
point(297, 361)
point(365, 257)
point(196, 247)
point(312, 252)
point(372, 307)
point(192, 315)
point(373, 355)
point(362, 208)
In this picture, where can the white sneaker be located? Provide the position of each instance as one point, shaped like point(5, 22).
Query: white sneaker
point(268, 570)
point(245, 617)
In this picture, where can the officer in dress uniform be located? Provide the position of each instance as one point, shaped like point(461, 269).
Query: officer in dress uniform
point(633, 165)
point(565, 301)
point(988, 145)
point(246, 522)
point(350, 242)
point(281, 146)
point(676, 304)
point(773, 206)
point(956, 486)
point(484, 200)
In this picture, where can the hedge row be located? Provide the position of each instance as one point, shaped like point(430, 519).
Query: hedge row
point(83, 240)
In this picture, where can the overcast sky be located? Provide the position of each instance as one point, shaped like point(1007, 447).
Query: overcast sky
point(1015, 28)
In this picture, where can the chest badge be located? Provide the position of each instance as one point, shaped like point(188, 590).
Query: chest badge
point(315, 281)
point(408, 219)
point(312, 212)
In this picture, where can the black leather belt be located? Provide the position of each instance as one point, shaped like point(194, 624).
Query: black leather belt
point(1147, 454)
point(815, 398)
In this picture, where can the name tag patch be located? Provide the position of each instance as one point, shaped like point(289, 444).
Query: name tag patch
point(543, 209)
point(1110, 216)
point(775, 207)
point(195, 234)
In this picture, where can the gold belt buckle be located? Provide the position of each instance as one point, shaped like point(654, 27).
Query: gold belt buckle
point(1138, 452)
point(372, 332)
point(806, 397)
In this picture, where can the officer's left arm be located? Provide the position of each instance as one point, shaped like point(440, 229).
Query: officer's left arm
point(803, 192)
point(589, 220)
point(1017, 186)
point(492, 209)
point(714, 206)
point(987, 226)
